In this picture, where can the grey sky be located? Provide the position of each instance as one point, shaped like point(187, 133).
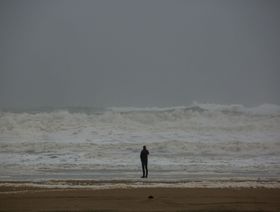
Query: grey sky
point(139, 53)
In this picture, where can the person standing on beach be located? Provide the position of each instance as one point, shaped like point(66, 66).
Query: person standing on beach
point(144, 160)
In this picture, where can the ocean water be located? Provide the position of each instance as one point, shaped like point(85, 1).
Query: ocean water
point(201, 141)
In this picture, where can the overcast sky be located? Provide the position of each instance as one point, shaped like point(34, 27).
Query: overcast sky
point(139, 53)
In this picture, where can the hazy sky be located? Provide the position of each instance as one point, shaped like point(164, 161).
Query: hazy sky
point(139, 53)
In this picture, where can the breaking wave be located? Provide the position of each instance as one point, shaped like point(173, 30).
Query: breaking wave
point(201, 116)
point(228, 139)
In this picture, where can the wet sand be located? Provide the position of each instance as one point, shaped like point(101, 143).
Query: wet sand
point(24, 198)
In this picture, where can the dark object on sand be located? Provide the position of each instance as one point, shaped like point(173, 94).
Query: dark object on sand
point(150, 197)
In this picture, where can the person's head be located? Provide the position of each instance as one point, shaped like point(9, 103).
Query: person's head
point(144, 147)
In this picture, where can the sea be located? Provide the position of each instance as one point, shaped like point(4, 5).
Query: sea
point(195, 143)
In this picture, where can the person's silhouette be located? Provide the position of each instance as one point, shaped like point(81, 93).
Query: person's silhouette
point(144, 160)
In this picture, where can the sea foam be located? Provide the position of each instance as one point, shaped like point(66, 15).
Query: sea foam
point(185, 142)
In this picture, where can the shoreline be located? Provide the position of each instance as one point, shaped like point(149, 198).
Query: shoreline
point(143, 183)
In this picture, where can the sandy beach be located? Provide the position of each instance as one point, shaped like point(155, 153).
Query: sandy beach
point(29, 198)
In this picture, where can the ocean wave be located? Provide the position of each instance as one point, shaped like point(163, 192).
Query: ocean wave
point(195, 117)
point(201, 138)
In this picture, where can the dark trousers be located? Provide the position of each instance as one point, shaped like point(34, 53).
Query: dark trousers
point(145, 168)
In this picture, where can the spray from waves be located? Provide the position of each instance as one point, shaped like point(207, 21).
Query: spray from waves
point(196, 117)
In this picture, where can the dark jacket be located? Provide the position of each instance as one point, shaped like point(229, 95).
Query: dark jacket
point(144, 155)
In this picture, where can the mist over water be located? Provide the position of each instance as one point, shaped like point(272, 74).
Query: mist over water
point(202, 140)
point(139, 53)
